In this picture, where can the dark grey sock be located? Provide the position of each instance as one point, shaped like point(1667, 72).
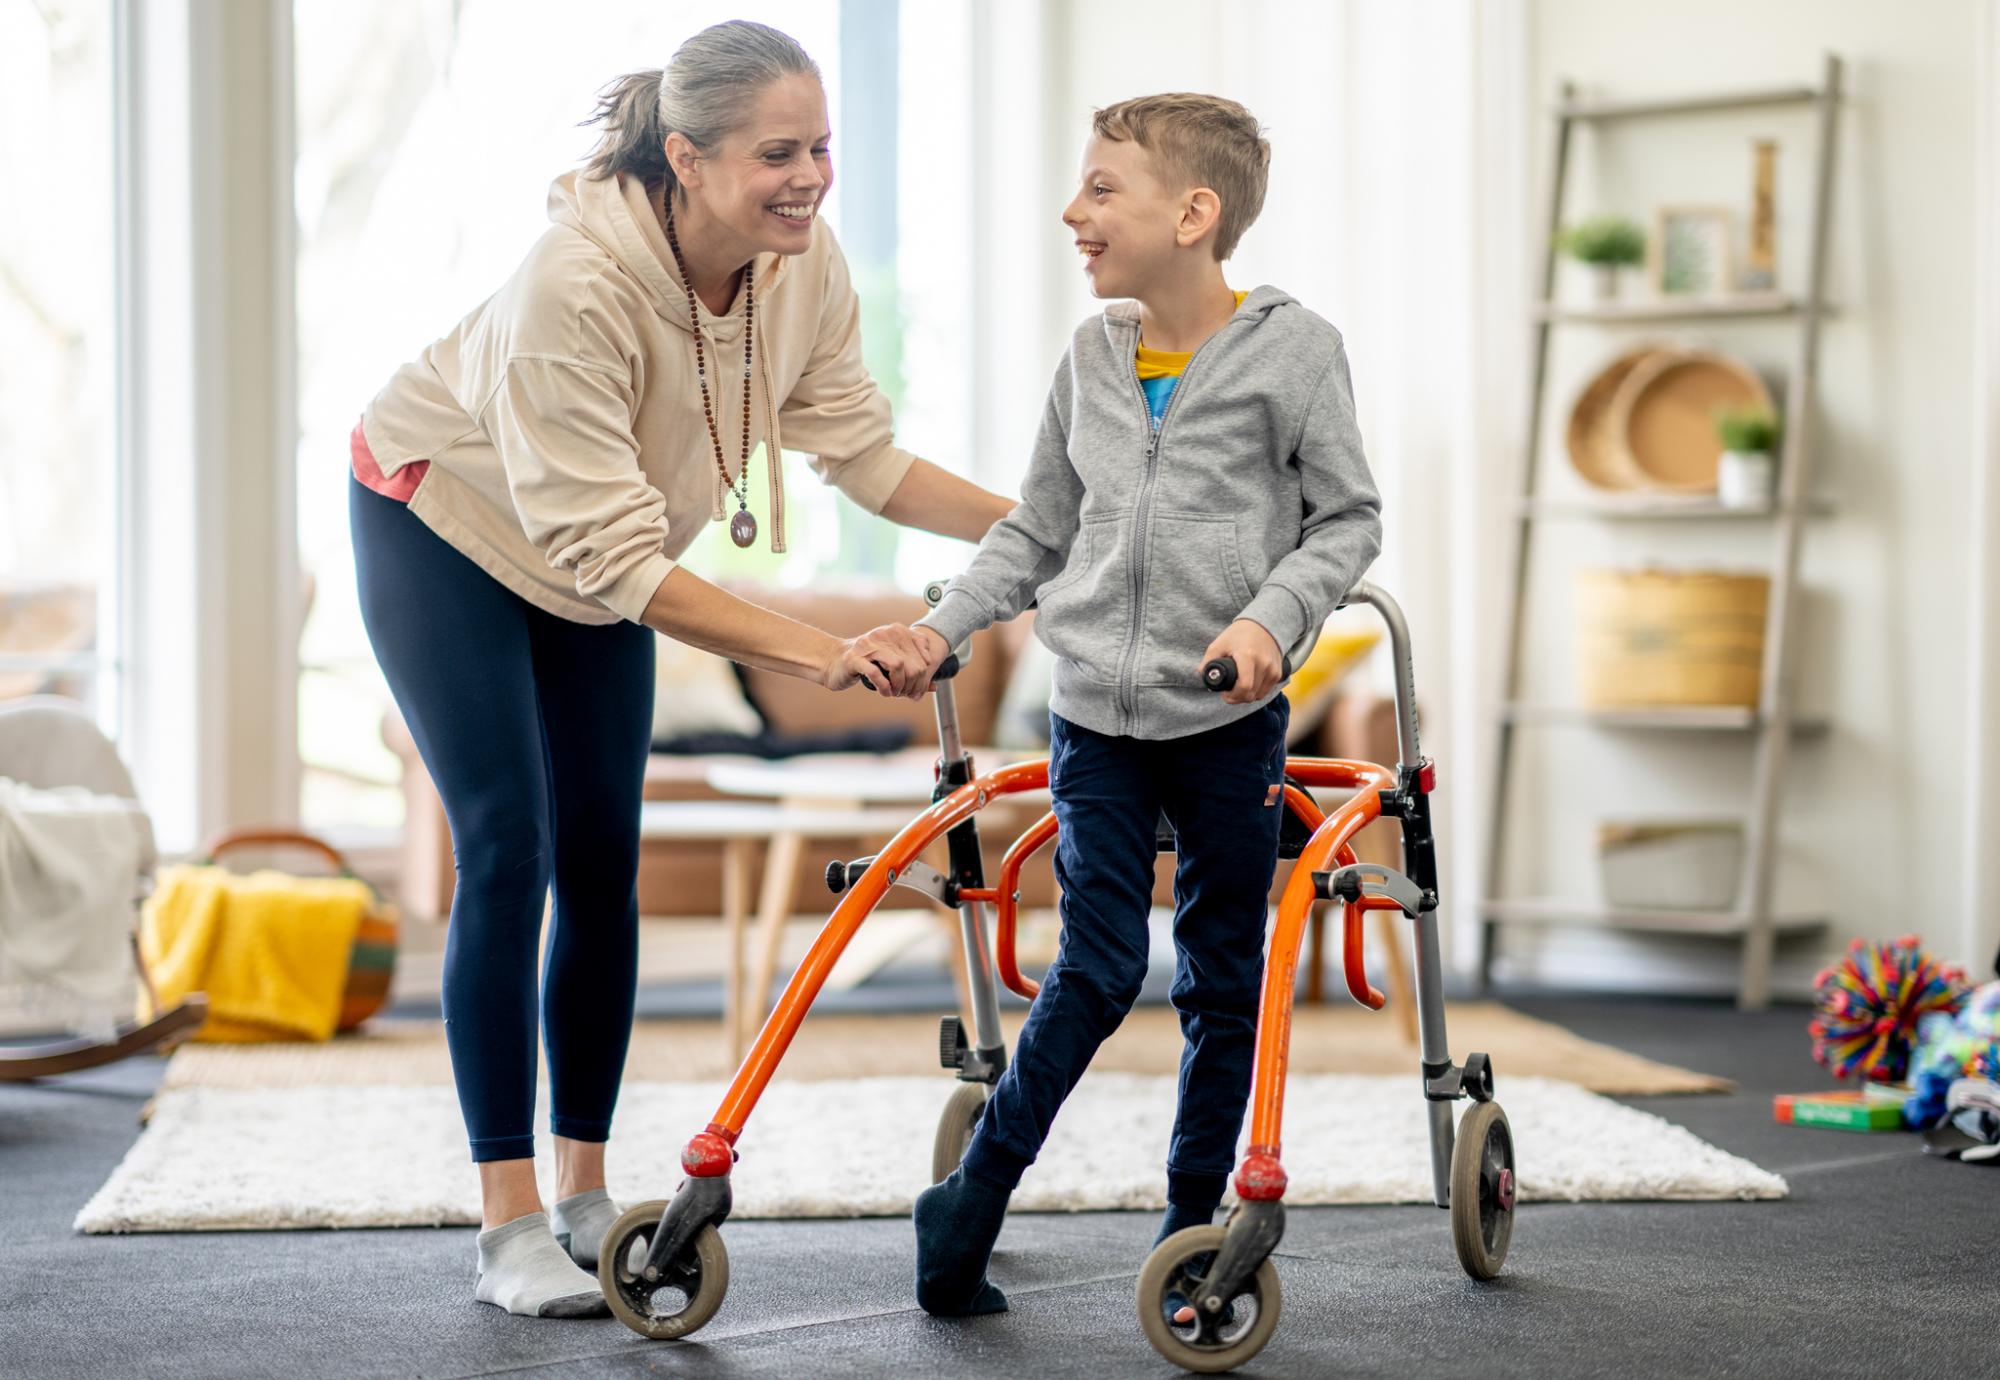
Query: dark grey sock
point(1181, 1216)
point(957, 1223)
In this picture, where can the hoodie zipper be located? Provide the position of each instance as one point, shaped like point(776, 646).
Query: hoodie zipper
point(1142, 526)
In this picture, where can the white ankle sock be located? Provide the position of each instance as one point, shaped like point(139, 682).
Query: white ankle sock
point(580, 1223)
point(523, 1270)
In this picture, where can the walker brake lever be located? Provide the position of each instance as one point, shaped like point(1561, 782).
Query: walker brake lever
point(1352, 882)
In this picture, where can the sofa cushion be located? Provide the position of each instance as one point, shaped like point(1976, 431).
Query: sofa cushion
point(697, 693)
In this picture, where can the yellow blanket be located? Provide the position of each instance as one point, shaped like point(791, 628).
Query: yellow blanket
point(271, 951)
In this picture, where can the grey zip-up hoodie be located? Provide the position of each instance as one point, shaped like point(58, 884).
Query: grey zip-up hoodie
point(1252, 500)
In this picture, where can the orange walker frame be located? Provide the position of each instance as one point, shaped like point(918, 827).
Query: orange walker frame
point(1477, 1182)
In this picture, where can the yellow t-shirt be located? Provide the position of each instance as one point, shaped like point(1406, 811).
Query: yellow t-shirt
point(1160, 373)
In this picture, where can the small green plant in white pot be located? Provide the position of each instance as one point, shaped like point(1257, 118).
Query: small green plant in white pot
point(1746, 475)
point(1607, 244)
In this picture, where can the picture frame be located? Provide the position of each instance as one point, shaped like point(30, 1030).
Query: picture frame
point(1690, 252)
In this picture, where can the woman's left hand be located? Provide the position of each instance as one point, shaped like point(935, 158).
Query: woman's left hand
point(1260, 664)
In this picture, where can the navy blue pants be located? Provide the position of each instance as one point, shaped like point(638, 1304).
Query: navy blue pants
point(1216, 790)
point(535, 730)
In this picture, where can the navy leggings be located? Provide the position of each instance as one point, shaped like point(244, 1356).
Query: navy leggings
point(535, 730)
point(1216, 789)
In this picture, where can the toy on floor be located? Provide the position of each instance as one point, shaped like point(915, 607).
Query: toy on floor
point(1847, 1109)
point(1871, 1002)
point(1951, 1047)
point(663, 1265)
point(1987, 1063)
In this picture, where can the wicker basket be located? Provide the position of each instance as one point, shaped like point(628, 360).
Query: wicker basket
point(1650, 638)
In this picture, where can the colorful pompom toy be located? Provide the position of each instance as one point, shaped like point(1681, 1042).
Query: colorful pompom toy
point(1870, 1003)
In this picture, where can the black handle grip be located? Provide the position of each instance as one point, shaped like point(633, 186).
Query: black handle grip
point(945, 671)
point(1220, 674)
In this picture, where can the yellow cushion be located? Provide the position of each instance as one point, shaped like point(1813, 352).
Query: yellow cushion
point(1312, 685)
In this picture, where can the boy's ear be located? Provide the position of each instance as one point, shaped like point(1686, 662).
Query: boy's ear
point(1201, 209)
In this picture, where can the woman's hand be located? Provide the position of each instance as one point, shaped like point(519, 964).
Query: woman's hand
point(1260, 664)
point(890, 659)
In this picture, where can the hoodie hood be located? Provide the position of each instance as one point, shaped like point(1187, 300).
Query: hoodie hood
point(1122, 316)
point(617, 215)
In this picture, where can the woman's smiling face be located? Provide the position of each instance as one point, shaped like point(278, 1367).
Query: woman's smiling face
point(1123, 219)
point(761, 188)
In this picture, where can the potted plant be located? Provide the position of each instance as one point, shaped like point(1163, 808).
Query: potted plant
point(1607, 244)
point(1745, 476)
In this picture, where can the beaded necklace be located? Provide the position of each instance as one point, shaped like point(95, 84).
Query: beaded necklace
point(742, 527)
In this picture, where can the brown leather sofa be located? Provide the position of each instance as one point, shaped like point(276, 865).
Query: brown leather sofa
point(686, 879)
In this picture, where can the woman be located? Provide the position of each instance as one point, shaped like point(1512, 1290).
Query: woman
point(521, 493)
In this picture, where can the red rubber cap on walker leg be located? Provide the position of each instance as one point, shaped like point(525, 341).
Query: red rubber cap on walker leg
point(707, 1156)
point(1261, 1179)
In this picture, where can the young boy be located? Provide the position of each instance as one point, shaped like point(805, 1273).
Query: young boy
point(1197, 491)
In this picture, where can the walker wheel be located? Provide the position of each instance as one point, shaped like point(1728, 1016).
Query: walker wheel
point(1172, 1280)
point(954, 1130)
point(1482, 1190)
point(683, 1299)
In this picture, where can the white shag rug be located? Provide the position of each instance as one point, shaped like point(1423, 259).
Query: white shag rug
point(216, 1159)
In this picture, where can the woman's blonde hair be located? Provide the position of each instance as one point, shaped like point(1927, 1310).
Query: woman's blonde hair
point(706, 90)
point(1199, 141)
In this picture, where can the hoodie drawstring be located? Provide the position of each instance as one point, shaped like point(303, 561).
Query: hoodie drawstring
point(774, 447)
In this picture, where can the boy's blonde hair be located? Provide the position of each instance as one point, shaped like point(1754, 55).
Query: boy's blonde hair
point(1199, 141)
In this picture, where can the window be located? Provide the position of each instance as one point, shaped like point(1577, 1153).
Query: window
point(58, 496)
point(427, 136)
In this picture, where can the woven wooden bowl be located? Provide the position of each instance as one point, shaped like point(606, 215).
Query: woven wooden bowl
point(1595, 452)
point(1663, 416)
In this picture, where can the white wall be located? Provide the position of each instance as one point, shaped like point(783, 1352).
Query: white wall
point(1872, 824)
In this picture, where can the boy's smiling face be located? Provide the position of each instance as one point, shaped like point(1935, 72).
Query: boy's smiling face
point(1125, 220)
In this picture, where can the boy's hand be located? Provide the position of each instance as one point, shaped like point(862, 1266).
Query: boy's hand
point(1260, 664)
point(932, 646)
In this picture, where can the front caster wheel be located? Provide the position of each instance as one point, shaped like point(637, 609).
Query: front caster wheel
point(1482, 1190)
point(1173, 1280)
point(688, 1291)
point(954, 1132)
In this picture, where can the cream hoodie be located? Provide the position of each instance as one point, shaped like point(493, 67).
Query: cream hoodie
point(562, 419)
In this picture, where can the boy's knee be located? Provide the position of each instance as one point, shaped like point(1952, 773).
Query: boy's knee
point(1115, 981)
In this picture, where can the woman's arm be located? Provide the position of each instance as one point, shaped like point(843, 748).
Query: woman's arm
point(689, 609)
point(939, 501)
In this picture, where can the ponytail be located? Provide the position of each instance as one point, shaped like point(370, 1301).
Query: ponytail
point(633, 141)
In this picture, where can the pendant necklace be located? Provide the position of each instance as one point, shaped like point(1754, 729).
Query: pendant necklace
point(742, 527)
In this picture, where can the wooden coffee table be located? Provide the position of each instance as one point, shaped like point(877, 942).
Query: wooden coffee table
point(739, 826)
